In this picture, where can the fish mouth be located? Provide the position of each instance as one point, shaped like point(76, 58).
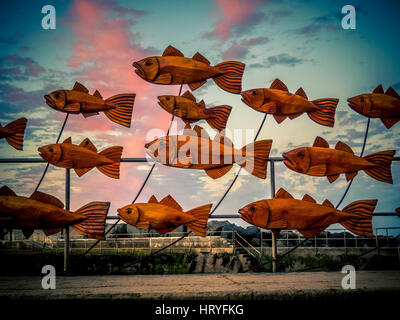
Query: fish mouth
point(243, 215)
point(40, 150)
point(49, 101)
point(245, 99)
point(288, 163)
point(139, 70)
point(161, 103)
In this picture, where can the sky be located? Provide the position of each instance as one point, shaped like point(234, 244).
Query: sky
point(95, 42)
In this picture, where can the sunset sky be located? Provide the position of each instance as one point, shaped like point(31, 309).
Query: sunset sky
point(95, 42)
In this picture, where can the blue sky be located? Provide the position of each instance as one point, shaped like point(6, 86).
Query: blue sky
point(300, 42)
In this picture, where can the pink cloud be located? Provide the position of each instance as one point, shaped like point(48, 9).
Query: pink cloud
point(240, 50)
point(235, 14)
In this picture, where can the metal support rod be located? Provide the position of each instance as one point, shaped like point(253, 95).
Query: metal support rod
point(66, 231)
point(273, 237)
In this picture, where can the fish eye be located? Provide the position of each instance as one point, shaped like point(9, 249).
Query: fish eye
point(129, 211)
point(300, 154)
point(362, 99)
point(51, 150)
point(167, 98)
point(253, 209)
point(148, 63)
point(254, 93)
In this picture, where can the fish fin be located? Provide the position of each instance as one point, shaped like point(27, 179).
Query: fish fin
point(202, 104)
point(378, 89)
point(81, 171)
point(68, 141)
point(325, 115)
point(278, 118)
point(391, 92)
point(80, 87)
point(73, 107)
point(278, 224)
point(219, 117)
point(283, 194)
point(216, 173)
point(300, 92)
point(317, 170)
point(279, 85)
point(181, 113)
point(89, 114)
point(122, 113)
point(199, 57)
point(172, 51)
point(362, 225)
point(332, 178)
point(231, 78)
point(94, 225)
point(343, 147)
point(27, 233)
point(308, 198)
point(46, 198)
point(294, 116)
point(308, 233)
point(320, 142)
point(221, 138)
point(162, 231)
point(153, 199)
point(6, 191)
point(170, 202)
point(68, 164)
point(49, 232)
point(114, 154)
point(86, 143)
point(351, 175)
point(257, 159)
point(269, 108)
point(17, 127)
point(163, 79)
point(383, 160)
point(201, 215)
point(389, 122)
point(328, 204)
point(189, 95)
point(97, 94)
point(195, 85)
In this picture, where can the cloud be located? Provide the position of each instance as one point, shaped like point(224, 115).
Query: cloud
point(241, 50)
point(15, 67)
point(319, 23)
point(283, 59)
point(237, 16)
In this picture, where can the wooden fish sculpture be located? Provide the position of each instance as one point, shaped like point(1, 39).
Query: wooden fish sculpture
point(45, 212)
point(165, 216)
point(378, 104)
point(319, 160)
point(186, 108)
point(117, 108)
point(174, 68)
point(195, 150)
point(82, 158)
point(309, 218)
point(14, 133)
point(278, 101)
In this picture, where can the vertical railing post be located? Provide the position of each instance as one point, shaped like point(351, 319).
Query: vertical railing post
point(274, 250)
point(66, 231)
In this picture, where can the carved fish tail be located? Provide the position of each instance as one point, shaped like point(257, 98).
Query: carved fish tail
point(94, 225)
point(383, 160)
point(201, 214)
point(325, 115)
point(231, 78)
point(122, 114)
point(17, 127)
point(114, 154)
point(361, 226)
point(256, 158)
point(219, 117)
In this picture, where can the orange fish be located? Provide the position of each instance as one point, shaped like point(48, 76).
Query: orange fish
point(173, 68)
point(309, 218)
point(43, 211)
point(378, 104)
point(117, 108)
point(278, 101)
point(186, 108)
point(165, 216)
point(83, 158)
point(14, 133)
point(195, 150)
point(319, 160)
